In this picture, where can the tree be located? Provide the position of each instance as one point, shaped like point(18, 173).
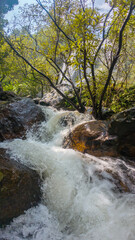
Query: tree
point(80, 37)
point(16, 75)
point(5, 6)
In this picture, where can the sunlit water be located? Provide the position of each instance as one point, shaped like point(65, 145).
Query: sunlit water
point(76, 204)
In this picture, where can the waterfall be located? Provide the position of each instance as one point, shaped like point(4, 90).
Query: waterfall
point(76, 204)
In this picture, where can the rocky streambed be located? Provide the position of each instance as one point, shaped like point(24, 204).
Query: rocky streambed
point(75, 193)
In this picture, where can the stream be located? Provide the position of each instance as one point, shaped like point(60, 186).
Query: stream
point(76, 204)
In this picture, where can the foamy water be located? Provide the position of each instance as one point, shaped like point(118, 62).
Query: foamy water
point(76, 204)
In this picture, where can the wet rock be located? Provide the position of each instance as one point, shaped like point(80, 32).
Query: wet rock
point(107, 114)
point(123, 125)
point(126, 146)
point(67, 120)
point(119, 172)
point(101, 138)
point(17, 117)
point(19, 188)
point(124, 176)
point(92, 138)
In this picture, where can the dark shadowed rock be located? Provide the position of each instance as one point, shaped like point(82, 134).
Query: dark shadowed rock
point(19, 188)
point(8, 96)
point(17, 117)
point(36, 100)
point(124, 176)
point(123, 125)
point(93, 138)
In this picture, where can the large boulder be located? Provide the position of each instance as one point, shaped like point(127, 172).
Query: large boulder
point(17, 117)
point(19, 188)
point(101, 138)
point(92, 138)
point(123, 125)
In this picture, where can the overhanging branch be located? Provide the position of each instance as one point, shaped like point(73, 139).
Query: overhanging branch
point(38, 71)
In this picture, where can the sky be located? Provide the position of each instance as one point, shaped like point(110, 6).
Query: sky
point(10, 14)
point(99, 3)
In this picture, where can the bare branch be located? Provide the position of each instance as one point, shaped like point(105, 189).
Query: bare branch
point(82, 6)
point(41, 5)
point(42, 74)
point(117, 54)
point(93, 3)
point(111, 57)
point(104, 36)
point(54, 10)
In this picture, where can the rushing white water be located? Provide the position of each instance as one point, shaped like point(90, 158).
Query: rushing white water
point(76, 203)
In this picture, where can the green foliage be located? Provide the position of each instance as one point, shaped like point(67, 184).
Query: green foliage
point(65, 104)
point(123, 99)
point(81, 37)
point(16, 74)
